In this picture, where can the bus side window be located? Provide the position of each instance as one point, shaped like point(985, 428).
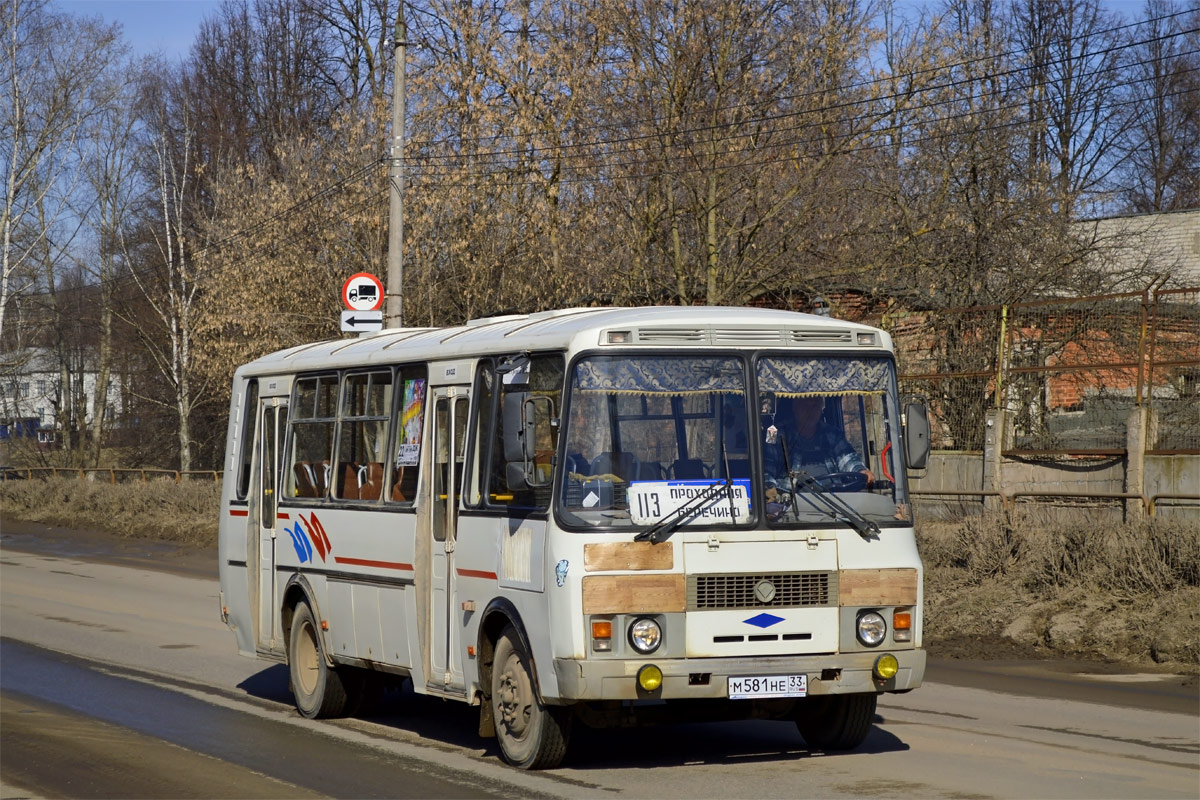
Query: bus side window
point(530, 402)
point(246, 437)
point(409, 423)
point(363, 435)
point(314, 410)
point(475, 478)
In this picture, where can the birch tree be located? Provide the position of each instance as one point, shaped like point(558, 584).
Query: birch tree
point(169, 284)
point(46, 97)
point(112, 192)
point(50, 93)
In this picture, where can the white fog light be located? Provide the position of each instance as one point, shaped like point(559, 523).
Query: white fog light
point(871, 628)
point(645, 635)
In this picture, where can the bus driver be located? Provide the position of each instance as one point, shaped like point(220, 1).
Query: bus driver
point(806, 445)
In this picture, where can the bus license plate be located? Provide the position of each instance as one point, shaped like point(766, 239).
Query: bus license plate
point(749, 687)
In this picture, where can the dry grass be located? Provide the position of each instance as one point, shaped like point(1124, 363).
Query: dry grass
point(998, 585)
point(1126, 592)
point(186, 513)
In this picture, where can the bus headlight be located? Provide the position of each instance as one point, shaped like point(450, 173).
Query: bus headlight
point(645, 635)
point(871, 628)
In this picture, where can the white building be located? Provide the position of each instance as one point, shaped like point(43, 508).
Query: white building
point(30, 391)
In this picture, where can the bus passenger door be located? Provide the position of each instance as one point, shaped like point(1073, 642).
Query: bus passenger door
point(272, 420)
point(450, 407)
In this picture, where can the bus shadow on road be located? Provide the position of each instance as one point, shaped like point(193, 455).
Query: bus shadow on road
point(400, 708)
point(269, 684)
point(432, 720)
point(748, 741)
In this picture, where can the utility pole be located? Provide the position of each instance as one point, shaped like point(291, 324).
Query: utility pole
point(393, 303)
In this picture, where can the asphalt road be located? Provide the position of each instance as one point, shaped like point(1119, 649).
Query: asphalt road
point(117, 679)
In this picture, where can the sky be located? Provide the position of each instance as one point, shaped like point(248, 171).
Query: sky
point(166, 26)
point(170, 26)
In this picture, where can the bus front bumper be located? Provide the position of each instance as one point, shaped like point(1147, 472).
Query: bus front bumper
point(708, 678)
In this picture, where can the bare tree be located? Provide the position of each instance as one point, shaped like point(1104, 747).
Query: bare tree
point(47, 96)
point(1071, 69)
point(170, 286)
point(1162, 149)
point(354, 38)
point(51, 94)
point(112, 190)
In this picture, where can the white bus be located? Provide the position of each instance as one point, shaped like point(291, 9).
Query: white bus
point(588, 516)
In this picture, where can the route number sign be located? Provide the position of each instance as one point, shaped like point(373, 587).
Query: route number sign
point(650, 501)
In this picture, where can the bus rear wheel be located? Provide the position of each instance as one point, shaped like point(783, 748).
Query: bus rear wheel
point(836, 721)
point(531, 735)
point(317, 689)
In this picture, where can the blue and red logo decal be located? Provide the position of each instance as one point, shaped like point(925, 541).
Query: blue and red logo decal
point(308, 535)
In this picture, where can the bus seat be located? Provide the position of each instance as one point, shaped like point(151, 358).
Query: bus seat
point(348, 484)
point(397, 492)
point(578, 464)
point(620, 464)
point(689, 469)
point(649, 471)
point(370, 480)
point(306, 480)
point(321, 473)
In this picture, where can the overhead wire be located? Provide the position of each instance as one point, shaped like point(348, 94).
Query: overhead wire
point(484, 158)
point(432, 177)
point(869, 147)
point(851, 86)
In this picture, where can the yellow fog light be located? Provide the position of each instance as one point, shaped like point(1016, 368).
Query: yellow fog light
point(886, 666)
point(650, 678)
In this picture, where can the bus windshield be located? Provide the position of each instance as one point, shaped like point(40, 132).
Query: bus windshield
point(659, 428)
point(830, 440)
point(647, 435)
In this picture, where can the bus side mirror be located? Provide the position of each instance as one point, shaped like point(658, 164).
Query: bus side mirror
point(520, 440)
point(916, 435)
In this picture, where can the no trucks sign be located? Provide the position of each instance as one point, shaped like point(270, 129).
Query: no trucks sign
point(363, 292)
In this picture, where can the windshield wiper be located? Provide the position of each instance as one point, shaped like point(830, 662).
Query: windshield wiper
point(670, 522)
point(835, 506)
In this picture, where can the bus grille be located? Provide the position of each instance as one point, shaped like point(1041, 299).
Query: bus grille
point(737, 591)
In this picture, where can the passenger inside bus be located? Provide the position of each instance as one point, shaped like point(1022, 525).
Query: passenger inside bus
point(805, 440)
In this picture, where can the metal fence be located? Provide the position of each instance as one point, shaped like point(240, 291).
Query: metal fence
point(1068, 372)
point(109, 475)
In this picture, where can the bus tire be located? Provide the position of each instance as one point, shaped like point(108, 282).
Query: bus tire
point(836, 721)
point(531, 735)
point(317, 689)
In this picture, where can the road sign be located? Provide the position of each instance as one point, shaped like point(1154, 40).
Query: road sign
point(358, 321)
point(362, 292)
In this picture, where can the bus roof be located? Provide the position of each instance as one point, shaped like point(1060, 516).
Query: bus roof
point(661, 326)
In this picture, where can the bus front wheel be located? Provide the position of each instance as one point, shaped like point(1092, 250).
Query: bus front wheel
point(531, 735)
point(836, 721)
point(318, 690)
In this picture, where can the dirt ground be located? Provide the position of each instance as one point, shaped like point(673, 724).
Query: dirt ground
point(1012, 587)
